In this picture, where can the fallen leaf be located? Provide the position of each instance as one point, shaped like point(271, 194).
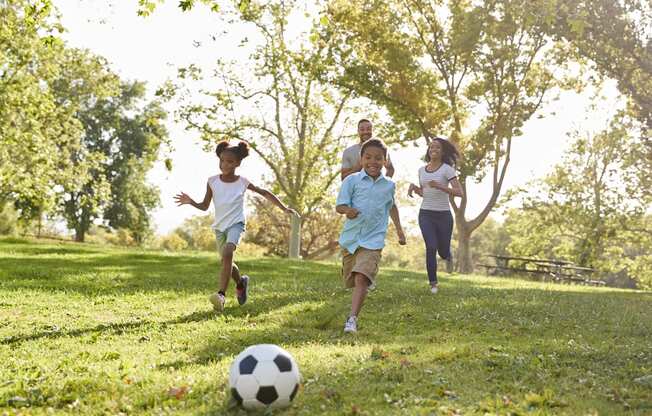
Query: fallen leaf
point(178, 392)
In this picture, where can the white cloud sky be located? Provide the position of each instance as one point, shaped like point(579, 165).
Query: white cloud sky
point(149, 49)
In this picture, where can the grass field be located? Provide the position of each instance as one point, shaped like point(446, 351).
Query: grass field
point(94, 330)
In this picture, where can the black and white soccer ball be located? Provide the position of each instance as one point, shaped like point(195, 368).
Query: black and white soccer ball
point(264, 376)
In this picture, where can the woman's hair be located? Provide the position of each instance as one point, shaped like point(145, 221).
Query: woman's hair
point(374, 143)
point(241, 150)
point(449, 153)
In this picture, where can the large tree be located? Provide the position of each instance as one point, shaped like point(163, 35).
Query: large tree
point(36, 133)
point(277, 102)
point(121, 141)
point(616, 38)
point(83, 84)
point(137, 140)
point(475, 72)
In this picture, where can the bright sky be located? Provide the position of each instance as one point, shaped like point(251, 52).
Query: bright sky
point(149, 49)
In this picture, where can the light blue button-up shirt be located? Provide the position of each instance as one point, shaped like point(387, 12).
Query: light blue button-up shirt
point(373, 199)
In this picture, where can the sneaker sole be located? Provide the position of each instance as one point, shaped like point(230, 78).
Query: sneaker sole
point(245, 278)
point(217, 305)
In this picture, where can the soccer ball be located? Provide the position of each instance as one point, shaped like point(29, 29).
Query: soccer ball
point(264, 376)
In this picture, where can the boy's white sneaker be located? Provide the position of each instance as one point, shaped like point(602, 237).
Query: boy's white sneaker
point(351, 324)
point(434, 289)
point(218, 300)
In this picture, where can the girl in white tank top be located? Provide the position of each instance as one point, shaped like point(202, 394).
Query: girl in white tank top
point(227, 192)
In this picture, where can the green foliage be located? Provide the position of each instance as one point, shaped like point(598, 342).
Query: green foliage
point(147, 7)
point(197, 232)
point(589, 209)
point(37, 133)
point(121, 141)
point(174, 242)
point(490, 238)
point(615, 37)
point(8, 219)
point(131, 331)
point(268, 227)
point(138, 136)
point(279, 105)
point(68, 116)
point(438, 67)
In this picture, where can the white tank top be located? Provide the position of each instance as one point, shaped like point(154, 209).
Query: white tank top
point(228, 200)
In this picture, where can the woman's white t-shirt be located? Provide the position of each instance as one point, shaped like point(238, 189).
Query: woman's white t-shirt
point(433, 198)
point(228, 200)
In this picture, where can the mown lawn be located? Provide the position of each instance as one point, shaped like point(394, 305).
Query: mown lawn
point(93, 330)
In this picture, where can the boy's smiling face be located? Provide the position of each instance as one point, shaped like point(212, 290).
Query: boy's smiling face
point(373, 160)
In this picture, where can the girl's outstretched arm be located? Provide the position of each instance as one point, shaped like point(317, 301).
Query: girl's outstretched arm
point(183, 199)
point(272, 198)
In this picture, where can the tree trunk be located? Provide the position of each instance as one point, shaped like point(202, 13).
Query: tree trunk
point(464, 257)
point(80, 233)
point(295, 238)
point(40, 225)
point(82, 226)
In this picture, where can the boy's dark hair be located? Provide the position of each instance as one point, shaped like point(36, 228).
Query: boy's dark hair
point(240, 151)
point(374, 143)
point(363, 120)
point(449, 153)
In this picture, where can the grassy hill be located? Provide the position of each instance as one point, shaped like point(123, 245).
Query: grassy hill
point(94, 330)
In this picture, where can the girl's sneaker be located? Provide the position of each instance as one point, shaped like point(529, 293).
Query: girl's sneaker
point(242, 292)
point(217, 299)
point(434, 289)
point(351, 324)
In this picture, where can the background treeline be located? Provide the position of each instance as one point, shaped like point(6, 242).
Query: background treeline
point(77, 141)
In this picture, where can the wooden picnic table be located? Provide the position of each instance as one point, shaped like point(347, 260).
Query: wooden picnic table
point(503, 261)
point(557, 270)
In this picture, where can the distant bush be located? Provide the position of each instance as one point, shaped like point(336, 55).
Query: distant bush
point(8, 219)
point(173, 242)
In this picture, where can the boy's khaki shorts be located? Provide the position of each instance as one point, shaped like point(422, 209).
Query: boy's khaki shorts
point(364, 261)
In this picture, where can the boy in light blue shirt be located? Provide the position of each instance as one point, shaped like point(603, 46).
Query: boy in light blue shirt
point(367, 200)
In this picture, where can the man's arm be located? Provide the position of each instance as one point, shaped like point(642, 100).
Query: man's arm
point(389, 167)
point(348, 171)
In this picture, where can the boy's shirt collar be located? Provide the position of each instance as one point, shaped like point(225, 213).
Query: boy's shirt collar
point(365, 174)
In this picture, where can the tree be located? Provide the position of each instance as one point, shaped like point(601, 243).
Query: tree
point(614, 36)
point(477, 72)
point(84, 84)
point(139, 137)
point(37, 134)
point(278, 103)
point(589, 209)
point(319, 235)
point(121, 141)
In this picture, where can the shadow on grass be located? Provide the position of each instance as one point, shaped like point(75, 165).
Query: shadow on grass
point(102, 273)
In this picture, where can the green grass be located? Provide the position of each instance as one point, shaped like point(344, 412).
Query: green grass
point(94, 330)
